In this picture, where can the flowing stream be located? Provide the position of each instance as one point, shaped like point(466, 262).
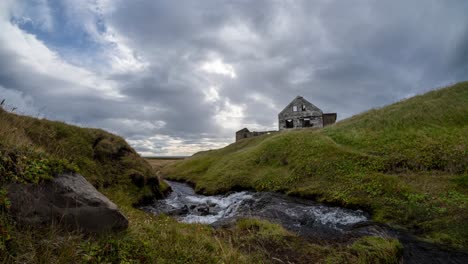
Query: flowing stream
point(300, 215)
point(307, 218)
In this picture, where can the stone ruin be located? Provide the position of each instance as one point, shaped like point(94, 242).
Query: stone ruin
point(300, 113)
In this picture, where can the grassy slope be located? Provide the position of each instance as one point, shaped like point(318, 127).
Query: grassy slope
point(33, 150)
point(30, 148)
point(406, 163)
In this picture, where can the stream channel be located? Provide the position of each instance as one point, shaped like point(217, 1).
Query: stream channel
point(311, 220)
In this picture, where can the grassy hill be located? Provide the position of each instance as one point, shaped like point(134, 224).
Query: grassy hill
point(34, 150)
point(407, 163)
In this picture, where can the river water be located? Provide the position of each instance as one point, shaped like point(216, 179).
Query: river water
point(302, 216)
point(309, 219)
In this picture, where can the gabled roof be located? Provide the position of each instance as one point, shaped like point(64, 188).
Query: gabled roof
point(243, 130)
point(300, 100)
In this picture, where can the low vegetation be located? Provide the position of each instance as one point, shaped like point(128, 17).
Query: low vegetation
point(406, 163)
point(160, 239)
point(33, 151)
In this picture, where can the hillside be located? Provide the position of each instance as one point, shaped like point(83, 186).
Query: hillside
point(32, 151)
point(406, 163)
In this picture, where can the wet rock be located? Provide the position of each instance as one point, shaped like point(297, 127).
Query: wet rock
point(68, 200)
point(178, 211)
point(225, 223)
point(369, 228)
point(203, 210)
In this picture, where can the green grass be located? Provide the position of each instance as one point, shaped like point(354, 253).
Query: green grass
point(160, 239)
point(32, 150)
point(406, 163)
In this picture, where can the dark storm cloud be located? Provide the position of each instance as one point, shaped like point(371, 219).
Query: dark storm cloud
point(344, 56)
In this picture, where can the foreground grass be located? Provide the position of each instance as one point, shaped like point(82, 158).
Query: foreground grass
point(406, 163)
point(160, 239)
point(33, 151)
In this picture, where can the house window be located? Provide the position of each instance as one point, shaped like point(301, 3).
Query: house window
point(295, 108)
point(303, 107)
point(289, 124)
point(306, 122)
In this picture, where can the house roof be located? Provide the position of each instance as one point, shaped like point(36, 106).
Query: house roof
point(300, 100)
point(243, 130)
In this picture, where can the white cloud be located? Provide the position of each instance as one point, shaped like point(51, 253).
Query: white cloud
point(36, 56)
point(230, 116)
point(217, 66)
point(211, 94)
point(37, 12)
point(17, 101)
point(182, 78)
point(172, 146)
point(261, 99)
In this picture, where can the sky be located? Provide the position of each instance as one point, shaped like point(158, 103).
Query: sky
point(175, 77)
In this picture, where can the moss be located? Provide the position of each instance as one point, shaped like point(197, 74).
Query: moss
point(370, 250)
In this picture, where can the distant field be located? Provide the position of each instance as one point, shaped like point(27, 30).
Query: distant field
point(158, 162)
point(166, 157)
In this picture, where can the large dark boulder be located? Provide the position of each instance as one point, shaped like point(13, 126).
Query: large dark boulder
point(69, 200)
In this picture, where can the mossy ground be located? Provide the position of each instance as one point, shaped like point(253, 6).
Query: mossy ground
point(406, 163)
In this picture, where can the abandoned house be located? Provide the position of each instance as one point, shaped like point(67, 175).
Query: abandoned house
point(245, 133)
point(300, 113)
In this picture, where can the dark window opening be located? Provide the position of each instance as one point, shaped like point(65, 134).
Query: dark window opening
point(245, 135)
point(289, 124)
point(303, 107)
point(306, 123)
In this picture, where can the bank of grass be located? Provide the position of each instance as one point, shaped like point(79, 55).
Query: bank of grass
point(406, 163)
point(160, 239)
point(34, 150)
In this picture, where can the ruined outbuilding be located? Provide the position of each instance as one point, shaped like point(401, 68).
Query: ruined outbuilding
point(300, 113)
point(245, 133)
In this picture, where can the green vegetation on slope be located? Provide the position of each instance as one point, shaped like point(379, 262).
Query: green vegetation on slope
point(161, 239)
point(33, 151)
point(406, 163)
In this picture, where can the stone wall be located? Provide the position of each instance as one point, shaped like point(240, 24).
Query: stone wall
point(329, 119)
point(245, 133)
point(300, 113)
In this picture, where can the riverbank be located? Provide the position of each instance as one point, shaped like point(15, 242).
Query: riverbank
point(406, 164)
point(33, 151)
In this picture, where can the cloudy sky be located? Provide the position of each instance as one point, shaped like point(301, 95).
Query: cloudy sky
point(175, 77)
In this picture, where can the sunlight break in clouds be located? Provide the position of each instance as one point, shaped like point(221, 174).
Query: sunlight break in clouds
point(218, 67)
point(230, 116)
point(178, 78)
